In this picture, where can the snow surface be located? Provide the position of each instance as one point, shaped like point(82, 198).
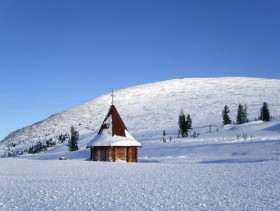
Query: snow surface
point(233, 167)
point(80, 185)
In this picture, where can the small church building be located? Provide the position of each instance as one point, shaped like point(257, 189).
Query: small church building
point(113, 141)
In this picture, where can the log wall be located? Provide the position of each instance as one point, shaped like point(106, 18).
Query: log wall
point(132, 154)
point(127, 154)
point(120, 153)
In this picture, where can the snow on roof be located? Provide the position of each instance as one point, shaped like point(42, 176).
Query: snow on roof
point(109, 140)
point(113, 132)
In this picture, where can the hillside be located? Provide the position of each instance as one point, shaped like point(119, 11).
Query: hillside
point(149, 109)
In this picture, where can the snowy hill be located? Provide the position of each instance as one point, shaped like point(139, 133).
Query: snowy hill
point(149, 109)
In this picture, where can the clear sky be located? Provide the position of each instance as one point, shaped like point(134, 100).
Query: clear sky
point(56, 54)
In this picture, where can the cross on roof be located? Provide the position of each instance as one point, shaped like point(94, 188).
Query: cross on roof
point(112, 96)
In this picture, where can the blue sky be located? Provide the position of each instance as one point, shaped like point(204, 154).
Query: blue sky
point(56, 54)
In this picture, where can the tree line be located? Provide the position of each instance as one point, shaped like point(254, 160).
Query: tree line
point(44, 145)
point(242, 114)
point(185, 121)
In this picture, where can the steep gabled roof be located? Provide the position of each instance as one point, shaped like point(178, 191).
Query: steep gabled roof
point(118, 127)
point(113, 132)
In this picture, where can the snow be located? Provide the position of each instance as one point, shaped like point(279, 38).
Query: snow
point(108, 140)
point(232, 167)
point(79, 185)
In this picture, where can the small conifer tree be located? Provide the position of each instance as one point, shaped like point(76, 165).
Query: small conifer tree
point(73, 141)
point(246, 113)
point(185, 124)
point(182, 124)
point(241, 116)
point(226, 118)
point(265, 113)
point(188, 123)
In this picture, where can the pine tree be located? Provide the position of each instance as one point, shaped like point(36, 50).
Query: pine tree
point(189, 123)
point(182, 124)
point(73, 141)
point(265, 113)
point(226, 118)
point(246, 113)
point(240, 115)
point(185, 124)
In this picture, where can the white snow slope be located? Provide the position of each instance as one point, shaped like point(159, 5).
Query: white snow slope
point(215, 171)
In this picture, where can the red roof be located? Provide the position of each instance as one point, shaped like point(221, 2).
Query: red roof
point(118, 127)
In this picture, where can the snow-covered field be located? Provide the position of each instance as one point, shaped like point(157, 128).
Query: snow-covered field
point(81, 185)
point(219, 170)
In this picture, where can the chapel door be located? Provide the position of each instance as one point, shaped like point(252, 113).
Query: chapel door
point(104, 154)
